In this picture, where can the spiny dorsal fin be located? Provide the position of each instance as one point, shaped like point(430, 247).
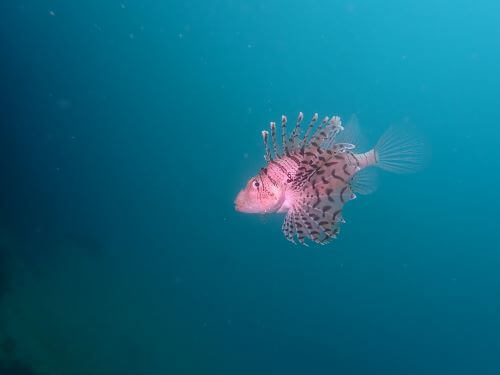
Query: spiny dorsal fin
point(313, 150)
point(326, 138)
point(329, 129)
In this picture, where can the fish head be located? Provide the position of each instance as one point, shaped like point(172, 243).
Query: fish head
point(259, 196)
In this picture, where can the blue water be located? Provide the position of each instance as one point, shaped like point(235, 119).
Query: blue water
point(129, 127)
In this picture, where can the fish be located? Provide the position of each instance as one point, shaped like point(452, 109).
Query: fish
point(310, 177)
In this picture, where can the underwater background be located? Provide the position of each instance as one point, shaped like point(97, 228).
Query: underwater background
point(127, 129)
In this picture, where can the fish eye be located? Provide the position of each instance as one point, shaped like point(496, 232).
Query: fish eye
point(255, 184)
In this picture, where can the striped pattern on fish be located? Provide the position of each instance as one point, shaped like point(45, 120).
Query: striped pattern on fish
point(312, 177)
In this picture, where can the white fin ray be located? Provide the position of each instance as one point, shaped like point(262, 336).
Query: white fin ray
point(400, 150)
point(352, 134)
point(319, 214)
point(365, 181)
point(300, 226)
point(327, 132)
point(289, 228)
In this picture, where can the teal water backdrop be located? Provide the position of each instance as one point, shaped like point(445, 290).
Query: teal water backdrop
point(128, 127)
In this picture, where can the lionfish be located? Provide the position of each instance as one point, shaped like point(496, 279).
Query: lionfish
point(312, 177)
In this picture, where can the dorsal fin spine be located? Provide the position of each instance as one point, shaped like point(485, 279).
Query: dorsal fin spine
point(309, 128)
point(283, 135)
point(265, 136)
point(273, 138)
point(295, 133)
point(317, 136)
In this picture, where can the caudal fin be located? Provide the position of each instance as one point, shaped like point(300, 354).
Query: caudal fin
point(400, 150)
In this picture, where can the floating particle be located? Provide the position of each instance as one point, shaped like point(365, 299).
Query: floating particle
point(52, 13)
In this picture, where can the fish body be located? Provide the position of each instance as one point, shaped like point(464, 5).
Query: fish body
point(312, 178)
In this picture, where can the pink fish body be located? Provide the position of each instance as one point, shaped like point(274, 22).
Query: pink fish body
point(312, 178)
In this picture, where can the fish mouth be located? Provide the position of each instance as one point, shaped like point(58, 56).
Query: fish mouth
point(237, 203)
point(237, 207)
point(241, 204)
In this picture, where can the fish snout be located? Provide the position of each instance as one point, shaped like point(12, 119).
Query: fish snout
point(244, 203)
point(239, 202)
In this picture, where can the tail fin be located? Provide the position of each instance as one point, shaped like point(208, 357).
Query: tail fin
point(399, 150)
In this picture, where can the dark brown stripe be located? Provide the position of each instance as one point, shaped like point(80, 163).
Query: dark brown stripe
point(326, 208)
point(317, 197)
point(283, 169)
point(345, 171)
point(342, 194)
point(335, 214)
point(337, 177)
point(314, 217)
point(330, 163)
point(295, 159)
point(355, 158)
point(328, 192)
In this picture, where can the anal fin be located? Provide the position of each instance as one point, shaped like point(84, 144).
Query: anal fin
point(365, 181)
